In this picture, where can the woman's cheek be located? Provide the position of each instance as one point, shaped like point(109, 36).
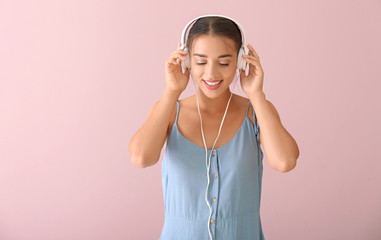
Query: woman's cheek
point(196, 70)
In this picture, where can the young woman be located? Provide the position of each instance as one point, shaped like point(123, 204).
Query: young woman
point(212, 178)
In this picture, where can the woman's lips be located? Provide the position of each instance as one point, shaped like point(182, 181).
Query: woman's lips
point(212, 87)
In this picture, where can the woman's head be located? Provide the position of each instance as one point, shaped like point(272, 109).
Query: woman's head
point(215, 26)
point(213, 44)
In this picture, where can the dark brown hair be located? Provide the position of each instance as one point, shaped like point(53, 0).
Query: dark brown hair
point(215, 26)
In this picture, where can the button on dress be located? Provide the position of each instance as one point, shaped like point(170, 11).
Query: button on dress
point(234, 191)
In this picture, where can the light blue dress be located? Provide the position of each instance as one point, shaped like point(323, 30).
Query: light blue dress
point(234, 192)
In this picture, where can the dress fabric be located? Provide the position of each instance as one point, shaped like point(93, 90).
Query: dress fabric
point(234, 191)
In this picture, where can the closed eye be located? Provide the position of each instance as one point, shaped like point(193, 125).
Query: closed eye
point(220, 64)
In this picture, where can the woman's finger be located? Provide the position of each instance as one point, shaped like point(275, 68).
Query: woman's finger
point(252, 58)
point(181, 51)
point(177, 60)
point(178, 56)
point(252, 50)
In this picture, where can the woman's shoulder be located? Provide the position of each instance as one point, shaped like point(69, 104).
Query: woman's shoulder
point(184, 103)
point(245, 101)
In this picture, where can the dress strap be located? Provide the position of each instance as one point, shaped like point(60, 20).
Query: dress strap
point(177, 111)
point(256, 126)
point(247, 108)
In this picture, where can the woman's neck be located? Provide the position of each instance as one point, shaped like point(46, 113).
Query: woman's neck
point(213, 105)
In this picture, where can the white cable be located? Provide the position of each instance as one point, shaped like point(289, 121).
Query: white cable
point(206, 151)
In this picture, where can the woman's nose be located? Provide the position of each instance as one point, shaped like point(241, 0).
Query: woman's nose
point(211, 71)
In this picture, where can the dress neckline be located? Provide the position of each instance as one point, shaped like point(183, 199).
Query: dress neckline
point(197, 146)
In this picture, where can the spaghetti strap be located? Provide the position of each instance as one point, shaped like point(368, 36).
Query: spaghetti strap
point(177, 111)
point(256, 126)
point(247, 108)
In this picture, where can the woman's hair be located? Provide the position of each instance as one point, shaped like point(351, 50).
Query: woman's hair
point(215, 26)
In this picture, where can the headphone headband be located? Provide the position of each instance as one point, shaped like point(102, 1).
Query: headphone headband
point(212, 15)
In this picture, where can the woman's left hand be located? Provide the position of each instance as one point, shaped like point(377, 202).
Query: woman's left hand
point(253, 82)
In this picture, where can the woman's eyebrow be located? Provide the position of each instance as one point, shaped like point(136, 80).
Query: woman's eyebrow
point(222, 56)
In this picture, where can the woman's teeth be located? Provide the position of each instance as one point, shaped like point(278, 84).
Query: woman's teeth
point(213, 83)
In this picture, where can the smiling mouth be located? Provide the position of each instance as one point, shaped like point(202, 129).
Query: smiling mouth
point(212, 83)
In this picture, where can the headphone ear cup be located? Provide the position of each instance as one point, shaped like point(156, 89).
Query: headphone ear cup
point(241, 62)
point(240, 59)
point(186, 62)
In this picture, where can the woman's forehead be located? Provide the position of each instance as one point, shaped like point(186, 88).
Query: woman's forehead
point(213, 46)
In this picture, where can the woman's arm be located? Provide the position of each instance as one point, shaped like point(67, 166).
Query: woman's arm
point(145, 146)
point(280, 147)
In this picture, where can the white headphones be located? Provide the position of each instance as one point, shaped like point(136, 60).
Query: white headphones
point(244, 50)
point(241, 65)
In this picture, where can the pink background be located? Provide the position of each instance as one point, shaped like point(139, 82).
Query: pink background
point(78, 79)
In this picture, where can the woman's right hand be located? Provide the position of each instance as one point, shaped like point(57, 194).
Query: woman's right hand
point(176, 80)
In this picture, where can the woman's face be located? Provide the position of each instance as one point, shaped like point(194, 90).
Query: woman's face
point(213, 61)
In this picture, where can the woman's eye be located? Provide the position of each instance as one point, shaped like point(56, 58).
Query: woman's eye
point(227, 64)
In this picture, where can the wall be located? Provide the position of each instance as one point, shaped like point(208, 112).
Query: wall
point(77, 79)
